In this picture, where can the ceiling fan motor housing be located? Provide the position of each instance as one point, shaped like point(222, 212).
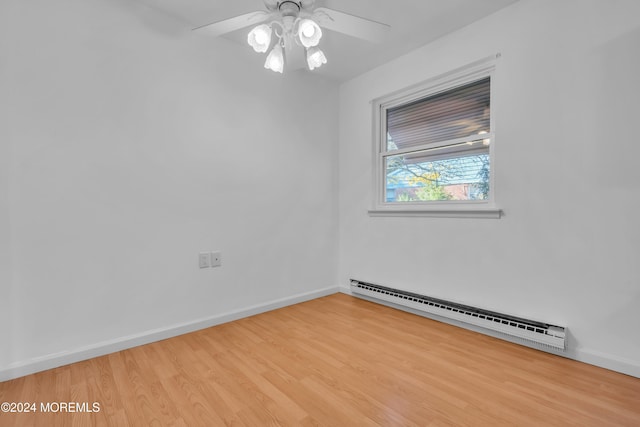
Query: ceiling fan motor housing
point(289, 8)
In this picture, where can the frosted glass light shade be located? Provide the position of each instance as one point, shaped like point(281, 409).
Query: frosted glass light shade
point(260, 38)
point(309, 33)
point(275, 59)
point(315, 58)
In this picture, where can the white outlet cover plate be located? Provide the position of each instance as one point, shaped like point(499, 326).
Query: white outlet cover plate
point(204, 260)
point(216, 259)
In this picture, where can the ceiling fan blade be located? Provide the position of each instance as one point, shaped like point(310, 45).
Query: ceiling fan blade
point(351, 25)
point(228, 25)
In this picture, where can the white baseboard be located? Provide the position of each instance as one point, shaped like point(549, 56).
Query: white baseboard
point(607, 361)
point(345, 290)
point(50, 361)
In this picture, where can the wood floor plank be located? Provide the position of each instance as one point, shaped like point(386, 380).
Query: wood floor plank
point(333, 361)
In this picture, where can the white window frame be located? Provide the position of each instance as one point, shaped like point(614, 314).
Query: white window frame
point(449, 208)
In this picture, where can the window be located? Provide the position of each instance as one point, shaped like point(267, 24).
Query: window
point(433, 147)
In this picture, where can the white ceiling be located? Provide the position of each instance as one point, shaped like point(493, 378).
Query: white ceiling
point(413, 23)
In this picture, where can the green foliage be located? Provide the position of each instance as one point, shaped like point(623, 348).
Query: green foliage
point(426, 188)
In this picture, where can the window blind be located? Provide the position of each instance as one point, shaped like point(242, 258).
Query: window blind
point(456, 113)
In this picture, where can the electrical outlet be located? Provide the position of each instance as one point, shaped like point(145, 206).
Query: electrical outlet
point(204, 260)
point(216, 259)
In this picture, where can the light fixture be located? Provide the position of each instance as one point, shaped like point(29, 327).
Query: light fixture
point(275, 59)
point(295, 25)
point(291, 29)
point(260, 38)
point(309, 33)
point(315, 57)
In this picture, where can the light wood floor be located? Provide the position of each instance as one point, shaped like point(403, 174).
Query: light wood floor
point(334, 361)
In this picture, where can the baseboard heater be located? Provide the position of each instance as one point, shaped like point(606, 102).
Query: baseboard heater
point(540, 334)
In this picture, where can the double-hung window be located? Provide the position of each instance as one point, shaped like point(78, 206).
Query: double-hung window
point(433, 147)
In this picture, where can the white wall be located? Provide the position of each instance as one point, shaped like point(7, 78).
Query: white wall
point(5, 231)
point(566, 250)
point(134, 145)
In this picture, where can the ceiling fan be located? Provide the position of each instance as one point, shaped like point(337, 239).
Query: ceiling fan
point(296, 25)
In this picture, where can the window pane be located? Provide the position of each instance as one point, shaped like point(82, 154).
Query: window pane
point(459, 172)
point(455, 113)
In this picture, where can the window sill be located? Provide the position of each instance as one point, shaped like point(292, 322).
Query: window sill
point(485, 212)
